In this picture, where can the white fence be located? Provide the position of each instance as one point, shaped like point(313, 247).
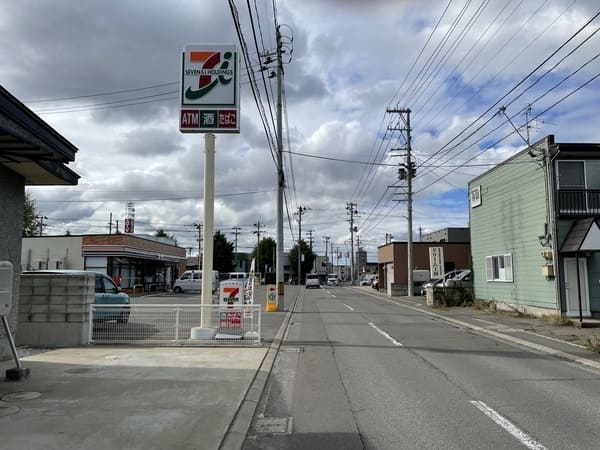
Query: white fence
point(174, 324)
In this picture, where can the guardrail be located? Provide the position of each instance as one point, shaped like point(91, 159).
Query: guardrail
point(168, 324)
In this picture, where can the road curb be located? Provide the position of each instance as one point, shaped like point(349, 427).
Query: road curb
point(499, 335)
point(235, 435)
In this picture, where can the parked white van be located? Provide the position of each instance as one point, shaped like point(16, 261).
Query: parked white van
point(191, 280)
point(240, 276)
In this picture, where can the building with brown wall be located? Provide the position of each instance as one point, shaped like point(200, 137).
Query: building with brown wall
point(392, 261)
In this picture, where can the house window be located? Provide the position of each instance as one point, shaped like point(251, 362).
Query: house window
point(571, 174)
point(475, 196)
point(499, 268)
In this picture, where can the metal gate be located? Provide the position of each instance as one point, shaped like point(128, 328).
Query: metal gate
point(167, 324)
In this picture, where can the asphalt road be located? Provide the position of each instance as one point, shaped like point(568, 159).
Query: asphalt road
point(355, 371)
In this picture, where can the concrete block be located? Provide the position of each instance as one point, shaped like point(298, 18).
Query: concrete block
point(26, 290)
point(59, 281)
point(41, 282)
point(36, 309)
point(57, 300)
point(77, 290)
point(26, 280)
point(58, 290)
point(81, 308)
point(39, 317)
point(57, 317)
point(57, 308)
point(24, 298)
point(39, 300)
point(24, 317)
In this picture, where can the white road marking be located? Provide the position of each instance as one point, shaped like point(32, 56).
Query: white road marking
point(349, 307)
point(385, 335)
point(522, 437)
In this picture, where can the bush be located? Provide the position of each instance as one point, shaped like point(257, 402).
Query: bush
point(453, 296)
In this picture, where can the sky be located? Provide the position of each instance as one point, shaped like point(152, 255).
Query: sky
point(481, 78)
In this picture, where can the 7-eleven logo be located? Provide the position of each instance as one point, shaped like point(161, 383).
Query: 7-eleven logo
point(210, 69)
point(232, 294)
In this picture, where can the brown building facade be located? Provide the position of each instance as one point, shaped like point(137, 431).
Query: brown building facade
point(392, 262)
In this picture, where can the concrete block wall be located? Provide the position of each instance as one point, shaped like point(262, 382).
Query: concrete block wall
point(54, 309)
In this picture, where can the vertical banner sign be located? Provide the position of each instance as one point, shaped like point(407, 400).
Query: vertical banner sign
point(209, 89)
point(436, 262)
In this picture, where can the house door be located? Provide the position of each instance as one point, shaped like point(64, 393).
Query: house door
point(572, 291)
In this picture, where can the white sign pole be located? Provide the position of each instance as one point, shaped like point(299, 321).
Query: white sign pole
point(209, 205)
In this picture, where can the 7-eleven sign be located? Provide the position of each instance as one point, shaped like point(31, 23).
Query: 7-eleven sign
point(231, 292)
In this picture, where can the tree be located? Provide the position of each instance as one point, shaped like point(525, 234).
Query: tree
point(162, 233)
point(30, 222)
point(309, 259)
point(222, 253)
point(266, 249)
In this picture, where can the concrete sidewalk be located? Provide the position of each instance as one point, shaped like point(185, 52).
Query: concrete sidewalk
point(119, 397)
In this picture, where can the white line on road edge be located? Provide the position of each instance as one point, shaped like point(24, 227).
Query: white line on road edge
point(349, 307)
point(505, 337)
point(522, 437)
point(385, 335)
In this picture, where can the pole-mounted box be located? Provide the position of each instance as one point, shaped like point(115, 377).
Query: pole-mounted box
point(6, 284)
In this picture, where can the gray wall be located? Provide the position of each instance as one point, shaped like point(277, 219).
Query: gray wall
point(12, 196)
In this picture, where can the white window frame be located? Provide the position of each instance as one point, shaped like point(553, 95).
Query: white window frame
point(499, 268)
point(475, 196)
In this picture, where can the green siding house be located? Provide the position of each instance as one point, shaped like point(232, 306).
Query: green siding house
point(535, 235)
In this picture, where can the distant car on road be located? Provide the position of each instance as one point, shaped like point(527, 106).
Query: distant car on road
point(312, 281)
point(332, 279)
point(366, 281)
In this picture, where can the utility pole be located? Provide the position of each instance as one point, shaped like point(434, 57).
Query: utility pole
point(110, 224)
point(198, 226)
point(41, 219)
point(326, 239)
point(301, 211)
point(409, 170)
point(359, 256)
point(259, 228)
point(236, 231)
point(310, 238)
point(351, 208)
point(280, 177)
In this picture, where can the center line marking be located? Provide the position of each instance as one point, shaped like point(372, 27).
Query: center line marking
point(522, 437)
point(385, 335)
point(349, 307)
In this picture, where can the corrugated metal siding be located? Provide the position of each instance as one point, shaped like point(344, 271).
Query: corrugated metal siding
point(509, 220)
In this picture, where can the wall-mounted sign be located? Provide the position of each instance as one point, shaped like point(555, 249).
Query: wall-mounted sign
point(209, 89)
point(436, 262)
